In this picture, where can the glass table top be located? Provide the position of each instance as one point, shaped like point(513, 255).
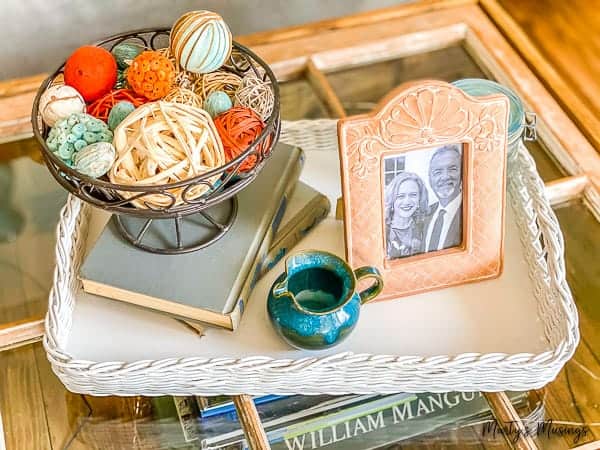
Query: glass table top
point(37, 412)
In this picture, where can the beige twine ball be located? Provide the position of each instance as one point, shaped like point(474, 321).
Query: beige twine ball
point(237, 61)
point(184, 96)
point(257, 95)
point(162, 143)
point(217, 81)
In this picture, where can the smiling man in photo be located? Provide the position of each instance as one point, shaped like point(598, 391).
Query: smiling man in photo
point(444, 222)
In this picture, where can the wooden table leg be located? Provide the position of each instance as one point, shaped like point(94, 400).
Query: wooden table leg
point(505, 413)
point(253, 429)
point(319, 82)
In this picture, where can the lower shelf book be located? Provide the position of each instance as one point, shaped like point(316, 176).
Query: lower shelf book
point(219, 405)
point(353, 422)
point(213, 284)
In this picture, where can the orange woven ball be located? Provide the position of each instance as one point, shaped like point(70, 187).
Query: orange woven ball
point(151, 74)
point(102, 106)
point(92, 71)
point(239, 127)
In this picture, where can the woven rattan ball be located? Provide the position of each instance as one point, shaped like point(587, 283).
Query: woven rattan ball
point(101, 108)
point(256, 94)
point(220, 80)
point(162, 143)
point(239, 127)
point(184, 96)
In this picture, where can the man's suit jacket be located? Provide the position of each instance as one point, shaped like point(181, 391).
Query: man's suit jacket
point(454, 236)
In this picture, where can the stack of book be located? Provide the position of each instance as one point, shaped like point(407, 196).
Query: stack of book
point(312, 422)
point(212, 285)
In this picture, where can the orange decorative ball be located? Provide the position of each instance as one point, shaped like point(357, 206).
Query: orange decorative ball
point(239, 127)
point(100, 108)
point(151, 75)
point(92, 71)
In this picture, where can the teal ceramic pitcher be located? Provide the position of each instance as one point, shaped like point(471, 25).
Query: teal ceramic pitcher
point(314, 304)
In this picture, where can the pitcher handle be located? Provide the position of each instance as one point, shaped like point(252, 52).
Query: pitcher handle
point(372, 291)
point(280, 288)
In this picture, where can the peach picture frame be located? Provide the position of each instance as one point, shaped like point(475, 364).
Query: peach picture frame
point(415, 116)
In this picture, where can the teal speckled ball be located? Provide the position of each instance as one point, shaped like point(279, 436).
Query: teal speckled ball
point(75, 132)
point(216, 103)
point(125, 52)
point(118, 113)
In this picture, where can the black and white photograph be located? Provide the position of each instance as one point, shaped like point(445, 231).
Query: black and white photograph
point(423, 198)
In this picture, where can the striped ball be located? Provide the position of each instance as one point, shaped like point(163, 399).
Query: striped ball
point(95, 159)
point(200, 41)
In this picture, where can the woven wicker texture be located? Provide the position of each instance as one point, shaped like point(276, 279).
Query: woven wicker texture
point(162, 143)
point(339, 373)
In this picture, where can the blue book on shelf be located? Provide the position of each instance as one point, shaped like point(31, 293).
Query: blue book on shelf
point(227, 407)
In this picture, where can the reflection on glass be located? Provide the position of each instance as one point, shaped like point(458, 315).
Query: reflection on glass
point(360, 88)
point(581, 231)
point(30, 201)
point(11, 221)
point(299, 101)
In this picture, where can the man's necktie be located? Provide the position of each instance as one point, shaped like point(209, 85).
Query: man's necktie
point(437, 231)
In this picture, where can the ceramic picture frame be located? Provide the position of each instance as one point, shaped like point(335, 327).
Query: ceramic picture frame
point(423, 185)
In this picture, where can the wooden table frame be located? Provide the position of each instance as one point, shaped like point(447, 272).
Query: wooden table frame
point(487, 32)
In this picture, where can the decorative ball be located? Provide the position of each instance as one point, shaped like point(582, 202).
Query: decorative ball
point(121, 79)
point(118, 113)
point(257, 95)
point(125, 52)
point(239, 127)
point(220, 80)
point(217, 103)
point(182, 95)
point(95, 159)
point(200, 41)
point(75, 132)
point(101, 108)
point(180, 142)
point(58, 102)
point(151, 74)
point(92, 71)
point(183, 78)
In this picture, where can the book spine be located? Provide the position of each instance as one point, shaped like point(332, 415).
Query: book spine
point(292, 410)
point(376, 427)
point(290, 179)
point(187, 415)
point(175, 422)
point(228, 407)
point(307, 219)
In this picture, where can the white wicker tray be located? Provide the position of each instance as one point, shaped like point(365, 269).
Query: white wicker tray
point(515, 332)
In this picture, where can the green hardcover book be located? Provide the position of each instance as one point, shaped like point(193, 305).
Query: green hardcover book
point(305, 208)
point(212, 284)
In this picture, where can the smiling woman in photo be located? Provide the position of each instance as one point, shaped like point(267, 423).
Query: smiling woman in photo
point(406, 203)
